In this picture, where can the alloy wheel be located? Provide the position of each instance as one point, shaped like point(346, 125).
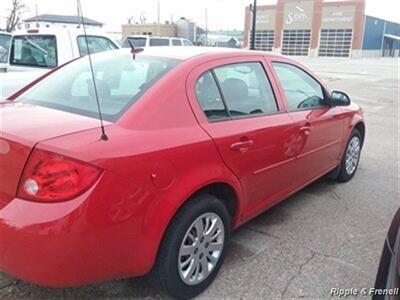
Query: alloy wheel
point(353, 155)
point(201, 248)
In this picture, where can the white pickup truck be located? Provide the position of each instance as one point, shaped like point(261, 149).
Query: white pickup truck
point(35, 52)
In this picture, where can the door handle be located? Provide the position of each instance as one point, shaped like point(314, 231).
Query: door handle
point(306, 129)
point(242, 146)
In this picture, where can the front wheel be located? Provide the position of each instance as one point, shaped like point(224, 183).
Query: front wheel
point(351, 157)
point(193, 248)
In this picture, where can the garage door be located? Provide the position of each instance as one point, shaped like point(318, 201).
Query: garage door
point(264, 40)
point(296, 42)
point(335, 42)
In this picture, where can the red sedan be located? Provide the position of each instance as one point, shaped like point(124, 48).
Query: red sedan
point(198, 141)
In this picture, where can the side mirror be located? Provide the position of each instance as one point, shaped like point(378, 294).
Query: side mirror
point(339, 99)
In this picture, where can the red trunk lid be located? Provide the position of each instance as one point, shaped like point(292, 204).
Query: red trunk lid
point(21, 127)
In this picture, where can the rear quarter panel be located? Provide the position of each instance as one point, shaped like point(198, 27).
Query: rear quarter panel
point(160, 149)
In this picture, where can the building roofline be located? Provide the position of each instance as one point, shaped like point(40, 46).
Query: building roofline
point(62, 19)
point(384, 20)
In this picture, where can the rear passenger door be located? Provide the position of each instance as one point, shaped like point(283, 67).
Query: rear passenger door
point(234, 102)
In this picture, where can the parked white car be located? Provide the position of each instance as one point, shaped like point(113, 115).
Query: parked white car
point(5, 39)
point(34, 52)
point(142, 41)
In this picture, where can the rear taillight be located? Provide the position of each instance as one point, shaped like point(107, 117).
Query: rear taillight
point(50, 177)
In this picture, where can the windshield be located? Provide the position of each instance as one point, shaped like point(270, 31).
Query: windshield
point(136, 42)
point(34, 51)
point(4, 47)
point(120, 81)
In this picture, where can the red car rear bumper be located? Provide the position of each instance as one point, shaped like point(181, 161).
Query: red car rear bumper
point(76, 242)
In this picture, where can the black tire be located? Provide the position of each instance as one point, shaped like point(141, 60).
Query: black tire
point(344, 175)
point(165, 274)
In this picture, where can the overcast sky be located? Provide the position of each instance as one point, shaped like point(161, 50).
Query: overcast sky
point(222, 14)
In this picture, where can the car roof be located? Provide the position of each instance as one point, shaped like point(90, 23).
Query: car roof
point(141, 36)
point(149, 36)
point(187, 52)
point(55, 31)
point(65, 32)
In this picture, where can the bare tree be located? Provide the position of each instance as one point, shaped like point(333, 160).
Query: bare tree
point(131, 20)
point(18, 8)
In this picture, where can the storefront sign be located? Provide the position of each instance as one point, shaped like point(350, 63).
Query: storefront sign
point(265, 19)
point(298, 15)
point(338, 17)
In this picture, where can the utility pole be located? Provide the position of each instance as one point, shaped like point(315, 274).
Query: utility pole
point(158, 11)
point(253, 27)
point(37, 13)
point(158, 17)
point(206, 16)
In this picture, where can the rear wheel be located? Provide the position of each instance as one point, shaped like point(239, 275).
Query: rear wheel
point(351, 157)
point(193, 248)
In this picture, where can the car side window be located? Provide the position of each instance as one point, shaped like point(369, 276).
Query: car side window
point(34, 51)
point(209, 97)
point(95, 44)
point(159, 42)
point(301, 90)
point(135, 41)
point(176, 42)
point(246, 89)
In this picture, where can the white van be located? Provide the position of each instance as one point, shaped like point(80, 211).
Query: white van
point(142, 41)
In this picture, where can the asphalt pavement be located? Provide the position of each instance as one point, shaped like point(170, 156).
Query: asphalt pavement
point(326, 236)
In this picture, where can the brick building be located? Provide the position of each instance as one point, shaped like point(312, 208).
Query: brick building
point(316, 28)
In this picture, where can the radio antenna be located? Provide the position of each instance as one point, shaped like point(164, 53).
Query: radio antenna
point(103, 136)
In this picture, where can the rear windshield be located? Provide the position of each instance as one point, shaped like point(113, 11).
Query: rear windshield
point(136, 42)
point(159, 42)
point(34, 51)
point(120, 81)
point(4, 47)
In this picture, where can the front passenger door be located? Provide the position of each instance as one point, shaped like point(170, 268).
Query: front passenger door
point(320, 127)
